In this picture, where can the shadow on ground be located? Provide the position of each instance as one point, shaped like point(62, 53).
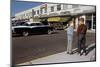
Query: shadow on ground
point(88, 50)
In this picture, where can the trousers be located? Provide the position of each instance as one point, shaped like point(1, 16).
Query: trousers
point(81, 43)
point(69, 44)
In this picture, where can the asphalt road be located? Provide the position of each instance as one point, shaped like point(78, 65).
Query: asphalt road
point(35, 46)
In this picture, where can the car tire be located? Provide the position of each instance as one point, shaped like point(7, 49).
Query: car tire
point(49, 31)
point(25, 33)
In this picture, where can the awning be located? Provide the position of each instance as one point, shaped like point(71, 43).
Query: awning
point(58, 19)
point(36, 20)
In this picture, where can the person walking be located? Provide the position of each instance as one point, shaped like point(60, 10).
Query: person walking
point(70, 31)
point(81, 33)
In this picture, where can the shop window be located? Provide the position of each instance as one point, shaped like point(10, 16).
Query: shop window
point(41, 11)
point(52, 8)
point(37, 11)
point(26, 14)
point(45, 10)
point(33, 12)
point(89, 21)
point(65, 6)
point(94, 21)
point(58, 7)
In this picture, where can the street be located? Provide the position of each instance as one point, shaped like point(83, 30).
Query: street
point(36, 46)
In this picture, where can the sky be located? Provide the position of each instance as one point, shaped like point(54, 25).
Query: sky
point(18, 6)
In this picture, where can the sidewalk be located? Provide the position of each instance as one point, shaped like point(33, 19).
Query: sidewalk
point(64, 57)
point(89, 31)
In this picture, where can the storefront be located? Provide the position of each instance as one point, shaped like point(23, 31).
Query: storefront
point(90, 20)
point(57, 22)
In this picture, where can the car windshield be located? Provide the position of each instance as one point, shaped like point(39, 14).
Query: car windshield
point(26, 24)
point(39, 24)
point(36, 24)
point(18, 24)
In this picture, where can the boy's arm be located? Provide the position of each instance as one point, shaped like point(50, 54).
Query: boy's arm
point(84, 29)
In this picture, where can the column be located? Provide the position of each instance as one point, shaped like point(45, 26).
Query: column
point(76, 22)
point(92, 22)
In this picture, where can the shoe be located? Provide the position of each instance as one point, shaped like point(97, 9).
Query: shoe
point(71, 53)
point(81, 54)
point(67, 52)
point(86, 53)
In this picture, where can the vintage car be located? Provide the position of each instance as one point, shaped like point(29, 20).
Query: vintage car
point(26, 28)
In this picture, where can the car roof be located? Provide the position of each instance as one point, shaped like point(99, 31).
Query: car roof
point(32, 22)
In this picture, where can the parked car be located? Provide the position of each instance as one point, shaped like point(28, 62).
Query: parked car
point(26, 28)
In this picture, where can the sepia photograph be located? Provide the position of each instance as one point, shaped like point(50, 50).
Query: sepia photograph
point(52, 33)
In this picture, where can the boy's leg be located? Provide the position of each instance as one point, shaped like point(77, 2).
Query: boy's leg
point(79, 44)
point(68, 44)
point(70, 47)
point(83, 43)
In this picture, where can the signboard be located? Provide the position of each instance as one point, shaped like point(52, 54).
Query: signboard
point(53, 14)
point(65, 13)
point(45, 15)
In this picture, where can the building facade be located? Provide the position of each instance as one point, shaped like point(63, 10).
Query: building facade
point(58, 15)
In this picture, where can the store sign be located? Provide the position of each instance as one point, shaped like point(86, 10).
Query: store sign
point(77, 10)
point(65, 13)
point(87, 11)
point(53, 14)
point(36, 16)
point(45, 15)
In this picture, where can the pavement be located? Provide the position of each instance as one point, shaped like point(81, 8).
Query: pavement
point(64, 57)
point(89, 31)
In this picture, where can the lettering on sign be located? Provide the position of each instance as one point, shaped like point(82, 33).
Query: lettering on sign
point(53, 14)
point(65, 13)
point(45, 15)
